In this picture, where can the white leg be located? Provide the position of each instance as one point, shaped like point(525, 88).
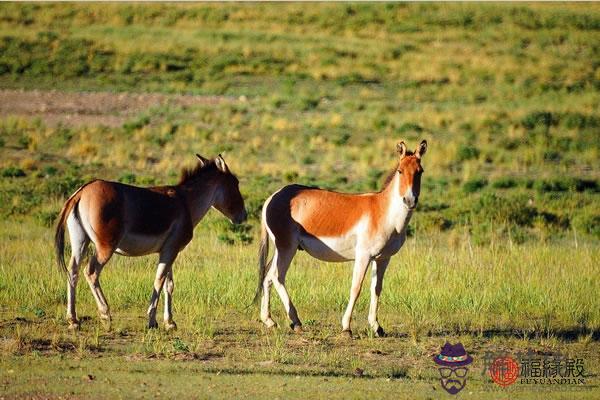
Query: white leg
point(281, 261)
point(79, 244)
point(358, 275)
point(92, 275)
point(265, 306)
point(164, 265)
point(378, 270)
point(71, 292)
point(168, 291)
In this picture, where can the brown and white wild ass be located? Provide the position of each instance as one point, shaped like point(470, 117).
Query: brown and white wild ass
point(337, 227)
point(135, 221)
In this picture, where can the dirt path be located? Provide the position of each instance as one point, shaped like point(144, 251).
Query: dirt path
point(92, 108)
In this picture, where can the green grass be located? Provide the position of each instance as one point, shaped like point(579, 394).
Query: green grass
point(514, 298)
point(111, 378)
point(503, 248)
point(434, 285)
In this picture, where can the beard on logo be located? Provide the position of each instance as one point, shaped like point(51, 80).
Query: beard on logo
point(452, 386)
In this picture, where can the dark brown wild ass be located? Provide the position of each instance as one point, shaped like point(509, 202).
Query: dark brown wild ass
point(135, 221)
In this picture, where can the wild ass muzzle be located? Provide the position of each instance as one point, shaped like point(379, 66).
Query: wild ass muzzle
point(135, 221)
point(367, 228)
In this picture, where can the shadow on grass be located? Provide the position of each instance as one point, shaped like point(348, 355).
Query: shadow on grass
point(565, 335)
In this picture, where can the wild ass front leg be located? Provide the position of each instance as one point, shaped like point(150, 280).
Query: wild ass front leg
point(164, 266)
point(377, 272)
point(361, 264)
point(168, 290)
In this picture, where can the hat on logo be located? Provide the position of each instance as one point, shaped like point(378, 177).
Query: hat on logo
point(453, 356)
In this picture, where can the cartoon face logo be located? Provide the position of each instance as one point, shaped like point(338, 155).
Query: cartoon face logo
point(452, 362)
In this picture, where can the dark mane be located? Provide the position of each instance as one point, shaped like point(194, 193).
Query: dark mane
point(390, 176)
point(190, 174)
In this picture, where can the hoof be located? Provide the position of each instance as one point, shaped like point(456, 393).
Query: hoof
point(297, 328)
point(106, 324)
point(170, 325)
point(380, 332)
point(269, 323)
point(152, 325)
point(74, 325)
point(346, 334)
point(105, 317)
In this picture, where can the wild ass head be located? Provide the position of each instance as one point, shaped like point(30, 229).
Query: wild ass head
point(410, 170)
point(227, 197)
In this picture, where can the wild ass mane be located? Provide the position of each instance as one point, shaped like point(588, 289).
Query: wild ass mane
point(189, 175)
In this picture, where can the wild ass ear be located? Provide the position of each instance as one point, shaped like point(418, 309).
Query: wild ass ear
point(220, 163)
point(421, 149)
point(203, 161)
point(401, 149)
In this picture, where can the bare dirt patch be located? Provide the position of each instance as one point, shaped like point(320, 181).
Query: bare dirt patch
point(90, 108)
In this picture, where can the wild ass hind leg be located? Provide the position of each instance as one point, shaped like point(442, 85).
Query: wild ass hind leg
point(92, 275)
point(377, 272)
point(79, 243)
point(281, 263)
point(265, 303)
point(168, 291)
point(361, 264)
point(165, 261)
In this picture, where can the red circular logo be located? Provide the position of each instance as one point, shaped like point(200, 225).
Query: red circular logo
point(504, 371)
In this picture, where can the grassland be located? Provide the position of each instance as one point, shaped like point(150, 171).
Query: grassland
point(503, 249)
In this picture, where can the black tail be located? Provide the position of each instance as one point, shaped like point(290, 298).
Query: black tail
point(59, 246)
point(263, 265)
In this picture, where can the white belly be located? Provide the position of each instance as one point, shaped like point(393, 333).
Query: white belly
point(140, 245)
point(330, 249)
point(344, 248)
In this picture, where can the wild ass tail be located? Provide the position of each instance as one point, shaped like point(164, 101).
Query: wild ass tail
point(59, 234)
point(263, 254)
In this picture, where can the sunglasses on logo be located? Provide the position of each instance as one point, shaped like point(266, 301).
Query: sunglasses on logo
point(460, 372)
